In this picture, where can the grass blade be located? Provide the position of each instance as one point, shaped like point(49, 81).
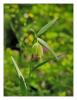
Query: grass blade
point(44, 28)
point(23, 86)
point(46, 45)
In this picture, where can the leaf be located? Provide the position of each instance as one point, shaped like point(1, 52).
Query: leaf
point(60, 56)
point(46, 45)
point(44, 28)
point(23, 86)
point(40, 64)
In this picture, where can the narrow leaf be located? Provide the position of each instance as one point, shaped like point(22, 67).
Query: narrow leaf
point(60, 56)
point(23, 86)
point(40, 64)
point(46, 45)
point(16, 67)
point(44, 28)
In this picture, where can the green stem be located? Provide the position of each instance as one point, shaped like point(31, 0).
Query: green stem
point(29, 80)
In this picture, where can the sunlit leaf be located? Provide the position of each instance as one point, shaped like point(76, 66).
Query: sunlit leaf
point(43, 29)
point(22, 82)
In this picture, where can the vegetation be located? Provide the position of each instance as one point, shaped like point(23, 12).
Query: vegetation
point(38, 49)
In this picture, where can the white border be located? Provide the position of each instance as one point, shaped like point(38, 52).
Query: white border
point(75, 48)
point(1, 49)
point(38, 1)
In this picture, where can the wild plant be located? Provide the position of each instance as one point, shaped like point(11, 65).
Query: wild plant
point(37, 53)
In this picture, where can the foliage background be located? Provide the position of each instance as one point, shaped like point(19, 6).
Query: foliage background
point(20, 21)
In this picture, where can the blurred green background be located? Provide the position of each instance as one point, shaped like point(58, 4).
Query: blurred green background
point(20, 22)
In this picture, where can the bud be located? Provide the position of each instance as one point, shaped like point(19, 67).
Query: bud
point(37, 50)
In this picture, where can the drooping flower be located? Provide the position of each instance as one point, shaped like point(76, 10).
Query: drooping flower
point(37, 49)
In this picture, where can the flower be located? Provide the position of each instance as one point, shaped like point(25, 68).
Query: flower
point(37, 50)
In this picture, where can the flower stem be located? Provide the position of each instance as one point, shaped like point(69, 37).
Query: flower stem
point(29, 80)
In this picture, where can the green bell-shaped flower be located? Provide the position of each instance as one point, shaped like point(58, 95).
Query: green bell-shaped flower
point(37, 50)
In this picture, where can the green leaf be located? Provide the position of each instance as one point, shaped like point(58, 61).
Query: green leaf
point(40, 64)
point(22, 82)
point(46, 45)
point(60, 56)
point(44, 28)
